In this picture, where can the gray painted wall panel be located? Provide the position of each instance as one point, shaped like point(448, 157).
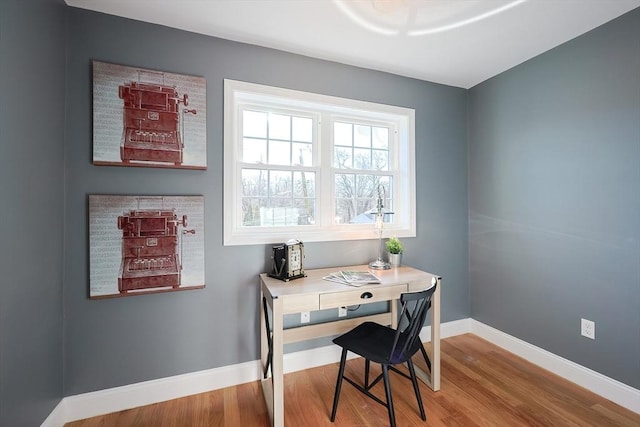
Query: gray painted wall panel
point(32, 67)
point(554, 200)
point(126, 340)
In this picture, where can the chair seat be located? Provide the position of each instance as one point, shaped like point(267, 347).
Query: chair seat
point(371, 341)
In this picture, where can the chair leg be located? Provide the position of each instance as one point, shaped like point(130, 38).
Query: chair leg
point(336, 396)
point(416, 389)
point(387, 391)
point(366, 374)
point(426, 358)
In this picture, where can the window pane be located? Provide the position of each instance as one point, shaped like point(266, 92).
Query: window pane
point(380, 160)
point(343, 134)
point(345, 185)
point(302, 154)
point(254, 190)
point(278, 202)
point(254, 150)
point(356, 197)
point(304, 184)
point(277, 212)
point(366, 186)
point(380, 138)
point(266, 216)
point(365, 208)
point(272, 197)
point(342, 158)
point(362, 158)
point(385, 184)
point(254, 124)
point(344, 211)
point(371, 188)
point(280, 184)
point(302, 128)
point(251, 212)
point(362, 136)
point(304, 191)
point(279, 126)
point(344, 190)
point(306, 211)
point(279, 153)
point(278, 216)
point(370, 147)
point(254, 182)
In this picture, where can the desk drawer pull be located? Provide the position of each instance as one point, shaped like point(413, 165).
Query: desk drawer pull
point(368, 295)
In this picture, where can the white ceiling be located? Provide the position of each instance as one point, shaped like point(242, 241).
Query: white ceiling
point(454, 42)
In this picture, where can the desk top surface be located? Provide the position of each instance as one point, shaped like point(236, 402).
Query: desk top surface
point(315, 284)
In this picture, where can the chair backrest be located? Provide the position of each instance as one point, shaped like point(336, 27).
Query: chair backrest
point(413, 313)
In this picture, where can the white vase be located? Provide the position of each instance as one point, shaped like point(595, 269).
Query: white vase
point(394, 259)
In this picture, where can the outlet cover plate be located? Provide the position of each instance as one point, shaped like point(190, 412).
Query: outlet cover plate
point(588, 328)
point(305, 317)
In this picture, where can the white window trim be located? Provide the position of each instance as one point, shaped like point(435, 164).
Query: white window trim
point(236, 92)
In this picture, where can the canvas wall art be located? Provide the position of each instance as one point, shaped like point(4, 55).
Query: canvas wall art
point(145, 244)
point(148, 118)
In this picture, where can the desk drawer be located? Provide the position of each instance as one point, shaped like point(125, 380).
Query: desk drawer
point(355, 297)
point(298, 303)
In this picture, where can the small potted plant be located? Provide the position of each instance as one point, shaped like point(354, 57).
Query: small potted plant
point(394, 251)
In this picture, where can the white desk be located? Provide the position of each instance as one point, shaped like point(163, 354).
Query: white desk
point(312, 293)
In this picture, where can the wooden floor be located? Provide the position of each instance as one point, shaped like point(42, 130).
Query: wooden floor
point(482, 385)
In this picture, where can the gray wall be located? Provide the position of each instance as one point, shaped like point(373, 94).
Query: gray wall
point(126, 340)
point(32, 55)
point(554, 199)
point(554, 202)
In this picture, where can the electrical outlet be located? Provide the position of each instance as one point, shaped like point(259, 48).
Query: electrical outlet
point(342, 311)
point(588, 328)
point(305, 317)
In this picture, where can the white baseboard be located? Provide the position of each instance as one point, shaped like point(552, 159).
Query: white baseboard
point(606, 387)
point(115, 399)
point(56, 417)
point(101, 402)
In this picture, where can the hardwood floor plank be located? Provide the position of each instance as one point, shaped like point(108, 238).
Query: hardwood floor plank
point(615, 417)
point(482, 386)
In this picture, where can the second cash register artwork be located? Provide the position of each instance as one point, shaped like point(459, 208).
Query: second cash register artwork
point(144, 244)
point(148, 118)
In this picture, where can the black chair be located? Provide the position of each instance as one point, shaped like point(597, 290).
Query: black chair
point(388, 347)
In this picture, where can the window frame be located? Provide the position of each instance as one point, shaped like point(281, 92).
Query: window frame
point(325, 110)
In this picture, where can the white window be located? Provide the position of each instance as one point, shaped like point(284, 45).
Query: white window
point(311, 167)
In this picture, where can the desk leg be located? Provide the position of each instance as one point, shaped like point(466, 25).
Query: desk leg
point(432, 379)
point(394, 313)
point(435, 338)
point(277, 361)
point(273, 386)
